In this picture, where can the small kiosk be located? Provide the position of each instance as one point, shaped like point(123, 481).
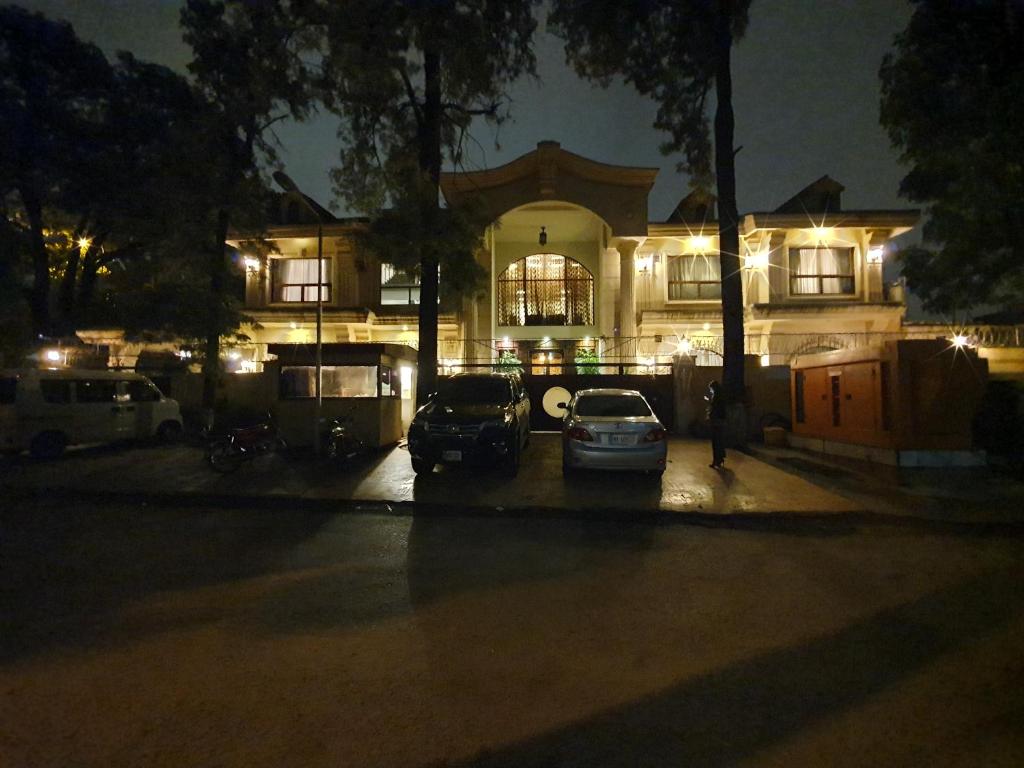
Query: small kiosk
point(904, 403)
point(371, 385)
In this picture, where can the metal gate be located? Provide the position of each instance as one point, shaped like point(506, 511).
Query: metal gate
point(549, 390)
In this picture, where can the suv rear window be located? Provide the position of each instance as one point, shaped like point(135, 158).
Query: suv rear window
point(475, 390)
point(8, 387)
point(612, 405)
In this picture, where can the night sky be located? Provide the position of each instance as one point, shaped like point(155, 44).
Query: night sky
point(806, 94)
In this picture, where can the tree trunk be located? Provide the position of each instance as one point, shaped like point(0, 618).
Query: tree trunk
point(39, 294)
point(66, 292)
point(728, 226)
point(211, 357)
point(430, 167)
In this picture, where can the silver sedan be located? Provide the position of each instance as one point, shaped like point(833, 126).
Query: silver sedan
point(612, 429)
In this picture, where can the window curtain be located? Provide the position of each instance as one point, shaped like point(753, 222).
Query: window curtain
point(545, 289)
point(804, 261)
point(292, 274)
point(685, 272)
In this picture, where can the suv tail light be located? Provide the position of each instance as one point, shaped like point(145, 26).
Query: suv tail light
point(580, 434)
point(655, 435)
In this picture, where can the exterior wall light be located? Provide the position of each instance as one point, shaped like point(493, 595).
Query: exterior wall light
point(700, 243)
point(543, 237)
point(759, 260)
point(252, 264)
point(766, 360)
point(875, 254)
point(684, 346)
point(960, 341)
point(53, 355)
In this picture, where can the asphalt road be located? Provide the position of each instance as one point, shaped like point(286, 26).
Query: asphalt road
point(154, 636)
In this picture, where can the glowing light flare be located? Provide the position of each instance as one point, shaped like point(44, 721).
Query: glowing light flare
point(759, 260)
point(53, 355)
point(684, 347)
point(875, 254)
point(960, 341)
point(766, 360)
point(700, 243)
point(252, 264)
point(84, 243)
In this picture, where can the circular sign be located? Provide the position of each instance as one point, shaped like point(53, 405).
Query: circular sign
point(552, 398)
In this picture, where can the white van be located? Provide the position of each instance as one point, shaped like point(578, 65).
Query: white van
point(47, 410)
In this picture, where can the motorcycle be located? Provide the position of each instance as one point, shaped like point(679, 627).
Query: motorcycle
point(228, 452)
point(340, 443)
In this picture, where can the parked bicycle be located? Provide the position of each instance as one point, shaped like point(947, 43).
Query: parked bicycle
point(226, 453)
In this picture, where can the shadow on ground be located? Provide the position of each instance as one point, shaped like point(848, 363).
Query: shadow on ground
point(731, 714)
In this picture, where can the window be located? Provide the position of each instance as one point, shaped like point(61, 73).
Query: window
point(295, 280)
point(390, 383)
point(96, 391)
point(612, 405)
point(55, 390)
point(142, 391)
point(694, 277)
point(398, 286)
point(546, 289)
point(299, 381)
point(821, 271)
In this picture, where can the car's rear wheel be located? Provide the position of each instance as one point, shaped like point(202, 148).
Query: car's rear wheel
point(224, 457)
point(48, 445)
point(422, 466)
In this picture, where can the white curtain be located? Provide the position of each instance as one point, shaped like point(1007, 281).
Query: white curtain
point(827, 270)
point(296, 279)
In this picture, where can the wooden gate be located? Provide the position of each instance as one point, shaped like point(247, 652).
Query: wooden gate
point(548, 390)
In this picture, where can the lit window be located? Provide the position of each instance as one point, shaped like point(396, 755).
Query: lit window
point(398, 286)
point(545, 289)
point(299, 381)
point(821, 271)
point(694, 277)
point(294, 280)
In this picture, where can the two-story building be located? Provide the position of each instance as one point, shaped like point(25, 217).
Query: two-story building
point(576, 269)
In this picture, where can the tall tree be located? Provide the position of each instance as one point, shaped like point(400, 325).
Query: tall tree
point(408, 79)
point(248, 63)
point(676, 52)
point(953, 104)
point(53, 89)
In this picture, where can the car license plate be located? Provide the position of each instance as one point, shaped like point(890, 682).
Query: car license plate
point(622, 439)
point(451, 455)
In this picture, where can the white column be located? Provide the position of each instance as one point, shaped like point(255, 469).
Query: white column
point(627, 287)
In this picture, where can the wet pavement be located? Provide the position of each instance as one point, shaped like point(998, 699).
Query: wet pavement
point(747, 485)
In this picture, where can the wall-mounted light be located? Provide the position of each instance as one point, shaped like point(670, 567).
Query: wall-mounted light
point(53, 355)
point(684, 346)
point(960, 341)
point(700, 243)
point(823, 233)
point(252, 264)
point(766, 360)
point(644, 263)
point(543, 237)
point(759, 260)
point(875, 254)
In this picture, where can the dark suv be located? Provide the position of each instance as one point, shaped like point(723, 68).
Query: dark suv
point(478, 418)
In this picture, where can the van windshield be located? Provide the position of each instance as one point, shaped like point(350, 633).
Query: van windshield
point(475, 390)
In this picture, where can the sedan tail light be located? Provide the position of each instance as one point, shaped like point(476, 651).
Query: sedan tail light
point(580, 434)
point(655, 435)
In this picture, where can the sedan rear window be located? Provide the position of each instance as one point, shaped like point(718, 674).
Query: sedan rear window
point(612, 405)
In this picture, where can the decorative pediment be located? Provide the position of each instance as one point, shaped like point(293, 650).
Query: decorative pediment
point(618, 194)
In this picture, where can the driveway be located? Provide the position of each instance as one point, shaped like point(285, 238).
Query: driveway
point(746, 485)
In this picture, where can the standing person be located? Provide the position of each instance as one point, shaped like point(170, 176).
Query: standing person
point(716, 415)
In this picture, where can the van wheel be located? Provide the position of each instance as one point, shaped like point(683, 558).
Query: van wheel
point(48, 445)
point(169, 432)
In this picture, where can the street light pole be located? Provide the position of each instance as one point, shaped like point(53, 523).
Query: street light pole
point(288, 185)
